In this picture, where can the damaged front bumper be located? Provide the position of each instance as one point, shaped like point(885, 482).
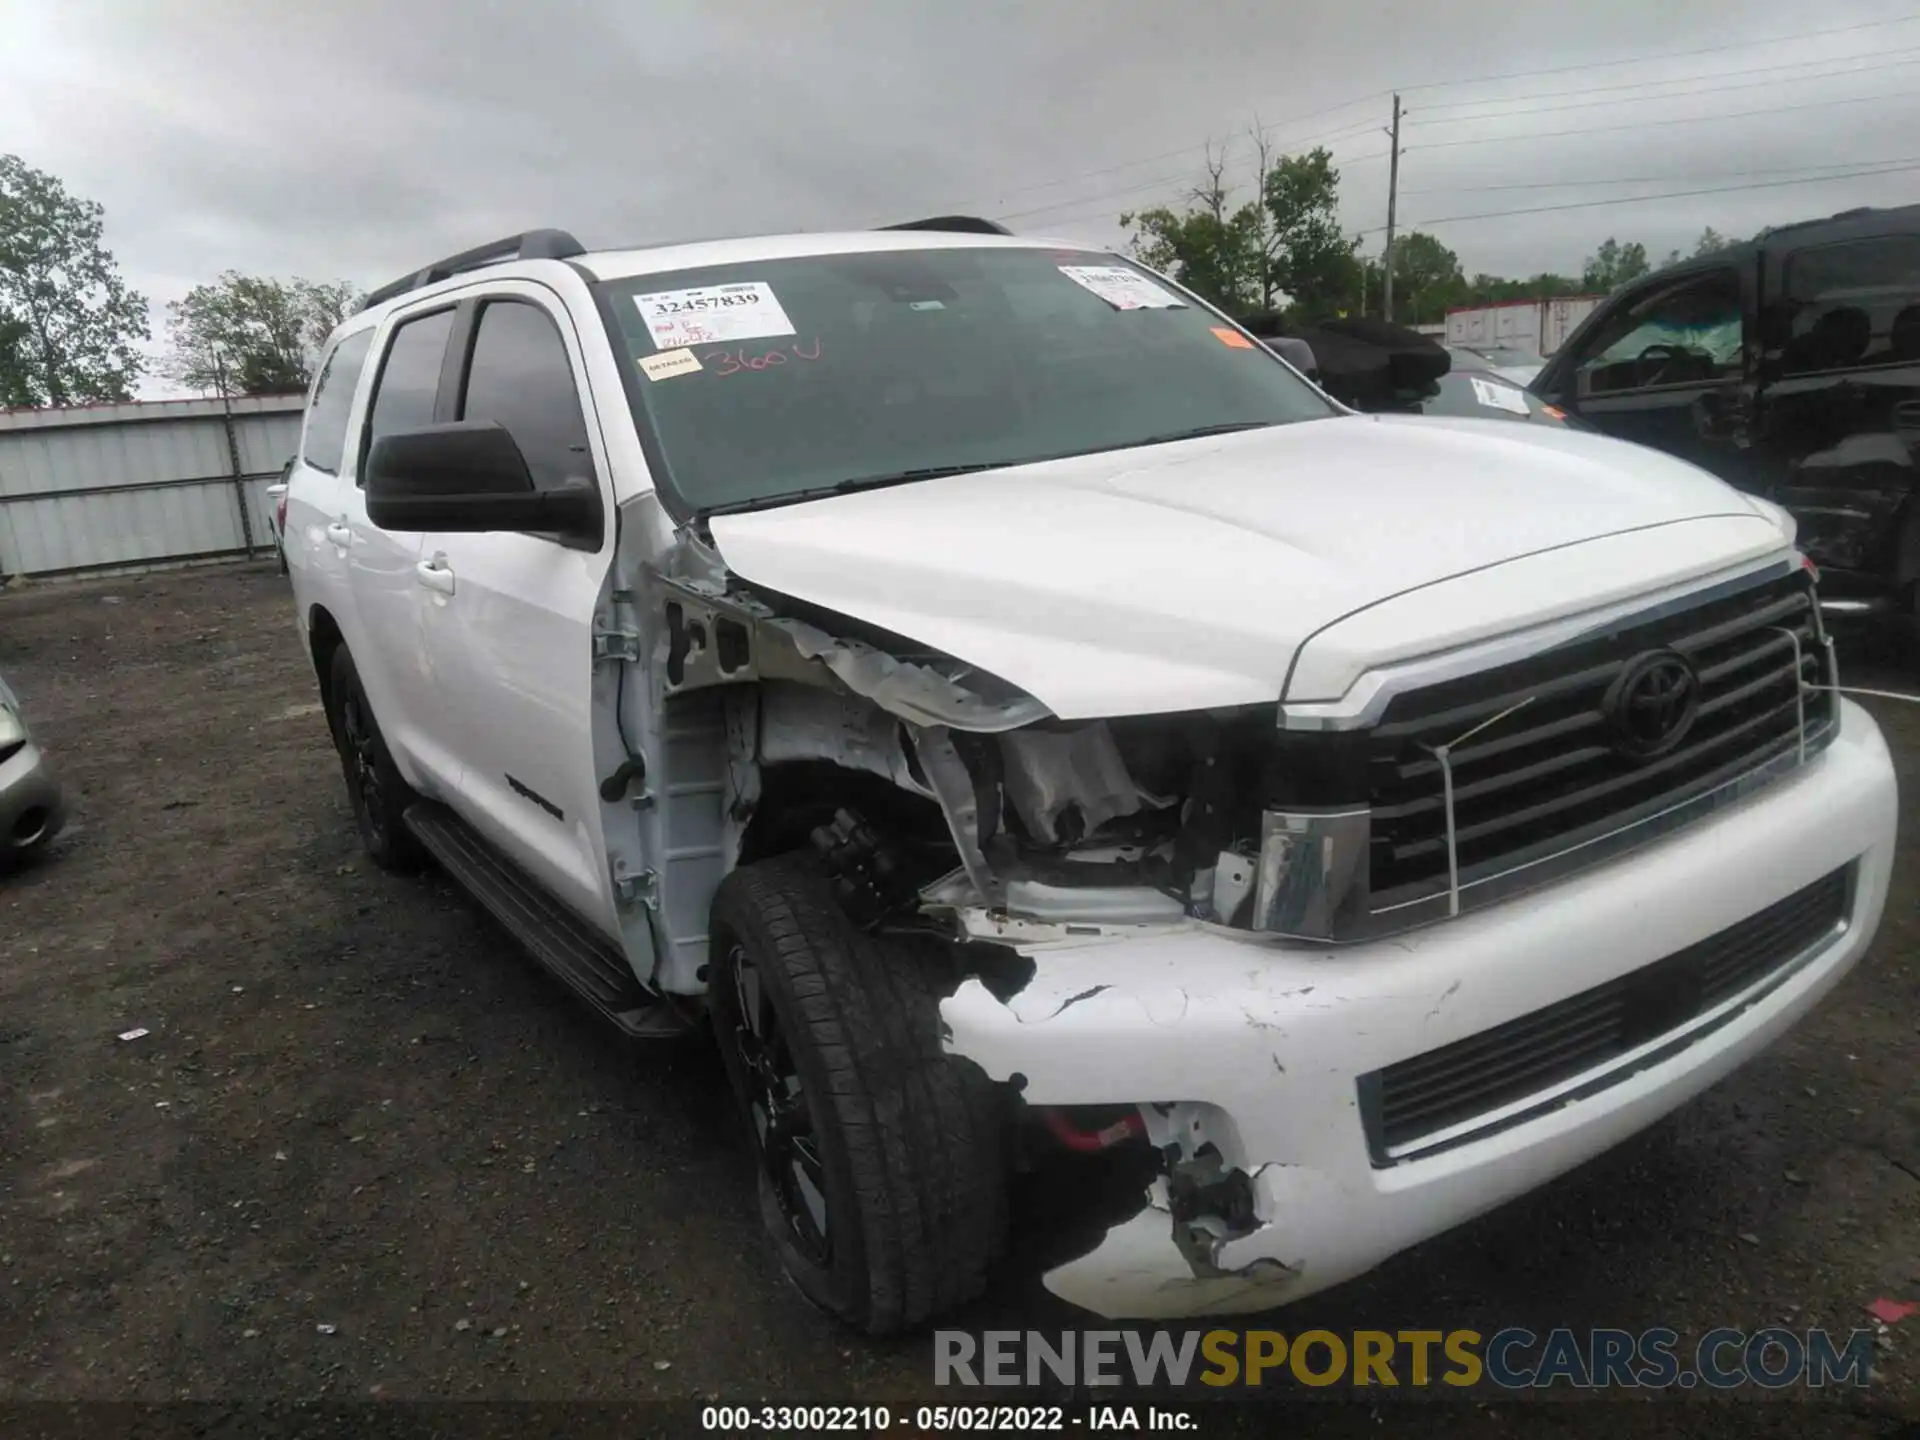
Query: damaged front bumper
point(1251, 1058)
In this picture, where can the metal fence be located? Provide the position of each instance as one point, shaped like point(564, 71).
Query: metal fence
point(108, 487)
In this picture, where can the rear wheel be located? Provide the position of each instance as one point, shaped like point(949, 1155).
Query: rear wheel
point(374, 788)
point(882, 1178)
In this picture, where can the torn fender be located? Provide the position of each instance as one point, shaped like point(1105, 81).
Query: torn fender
point(711, 638)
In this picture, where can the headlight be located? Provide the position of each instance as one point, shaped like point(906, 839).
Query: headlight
point(13, 730)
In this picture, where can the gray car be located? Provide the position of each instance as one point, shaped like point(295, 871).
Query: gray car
point(31, 810)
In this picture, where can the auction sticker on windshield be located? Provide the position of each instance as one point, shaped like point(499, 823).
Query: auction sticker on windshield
point(667, 364)
point(1499, 397)
point(746, 311)
point(1122, 288)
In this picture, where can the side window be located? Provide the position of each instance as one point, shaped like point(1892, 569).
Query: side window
point(409, 377)
point(1688, 333)
point(324, 440)
point(1856, 303)
point(519, 376)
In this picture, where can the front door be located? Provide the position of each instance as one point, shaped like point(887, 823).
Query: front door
point(1664, 368)
point(508, 617)
point(1840, 398)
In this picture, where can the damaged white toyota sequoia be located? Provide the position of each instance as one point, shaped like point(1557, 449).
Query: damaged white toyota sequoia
point(1035, 728)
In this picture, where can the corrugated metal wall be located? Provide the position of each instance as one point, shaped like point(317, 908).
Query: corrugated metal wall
point(103, 486)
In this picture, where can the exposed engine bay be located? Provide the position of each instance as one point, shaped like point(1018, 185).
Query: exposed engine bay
point(998, 809)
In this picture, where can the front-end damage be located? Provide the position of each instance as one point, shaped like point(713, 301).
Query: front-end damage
point(1053, 830)
point(946, 802)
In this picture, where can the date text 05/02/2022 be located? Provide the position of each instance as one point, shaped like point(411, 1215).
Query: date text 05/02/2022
point(931, 1419)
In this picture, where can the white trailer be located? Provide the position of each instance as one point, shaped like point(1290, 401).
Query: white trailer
point(1539, 327)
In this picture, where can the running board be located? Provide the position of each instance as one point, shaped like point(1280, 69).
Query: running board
point(577, 955)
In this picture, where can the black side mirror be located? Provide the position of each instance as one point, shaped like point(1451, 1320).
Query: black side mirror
point(1297, 353)
point(470, 476)
point(1719, 415)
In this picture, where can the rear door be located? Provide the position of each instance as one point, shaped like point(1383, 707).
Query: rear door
point(316, 478)
point(1839, 405)
point(1665, 367)
point(388, 651)
point(508, 617)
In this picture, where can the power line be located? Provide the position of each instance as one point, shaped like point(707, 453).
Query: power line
point(1670, 54)
point(1680, 80)
point(1679, 94)
point(1664, 195)
point(1670, 120)
point(1650, 179)
point(1184, 178)
point(1267, 130)
point(1901, 166)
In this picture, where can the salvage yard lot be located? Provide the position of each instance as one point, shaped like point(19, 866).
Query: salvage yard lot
point(358, 1107)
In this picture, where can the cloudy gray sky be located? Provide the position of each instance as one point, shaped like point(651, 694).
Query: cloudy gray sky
point(350, 139)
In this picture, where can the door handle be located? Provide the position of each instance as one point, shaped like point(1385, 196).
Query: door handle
point(435, 575)
point(339, 533)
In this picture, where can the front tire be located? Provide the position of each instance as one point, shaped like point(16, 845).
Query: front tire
point(374, 788)
point(882, 1178)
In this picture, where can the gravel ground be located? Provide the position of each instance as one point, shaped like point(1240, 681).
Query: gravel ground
point(366, 1150)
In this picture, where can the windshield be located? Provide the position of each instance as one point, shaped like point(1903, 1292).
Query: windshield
point(771, 381)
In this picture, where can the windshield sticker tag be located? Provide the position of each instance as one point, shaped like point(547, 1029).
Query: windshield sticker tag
point(673, 362)
point(713, 313)
point(1498, 397)
point(1232, 339)
point(1122, 288)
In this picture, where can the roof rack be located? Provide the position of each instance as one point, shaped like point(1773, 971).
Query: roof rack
point(1856, 213)
point(531, 245)
point(961, 224)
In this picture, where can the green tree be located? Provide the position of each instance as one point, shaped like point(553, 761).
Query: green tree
point(15, 368)
point(1711, 242)
point(1242, 257)
point(1312, 259)
point(68, 322)
point(1614, 265)
point(328, 303)
point(255, 334)
point(1213, 258)
point(1426, 279)
point(1486, 289)
point(1213, 249)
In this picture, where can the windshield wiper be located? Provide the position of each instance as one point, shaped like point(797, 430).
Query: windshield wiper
point(1198, 432)
point(849, 487)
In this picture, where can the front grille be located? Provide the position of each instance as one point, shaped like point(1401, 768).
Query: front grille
point(1547, 778)
point(1446, 1087)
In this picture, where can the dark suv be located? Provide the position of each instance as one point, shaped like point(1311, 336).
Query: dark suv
point(1790, 366)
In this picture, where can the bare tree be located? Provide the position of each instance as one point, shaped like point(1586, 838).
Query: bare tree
point(1211, 193)
point(1265, 236)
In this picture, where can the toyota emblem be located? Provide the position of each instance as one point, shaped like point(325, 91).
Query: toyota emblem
point(1652, 705)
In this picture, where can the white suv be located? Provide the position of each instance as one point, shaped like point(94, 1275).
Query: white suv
point(1021, 715)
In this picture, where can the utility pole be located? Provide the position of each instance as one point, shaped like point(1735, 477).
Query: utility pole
point(1393, 194)
point(233, 450)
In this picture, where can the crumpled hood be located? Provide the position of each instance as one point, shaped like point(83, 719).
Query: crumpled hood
point(1189, 575)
